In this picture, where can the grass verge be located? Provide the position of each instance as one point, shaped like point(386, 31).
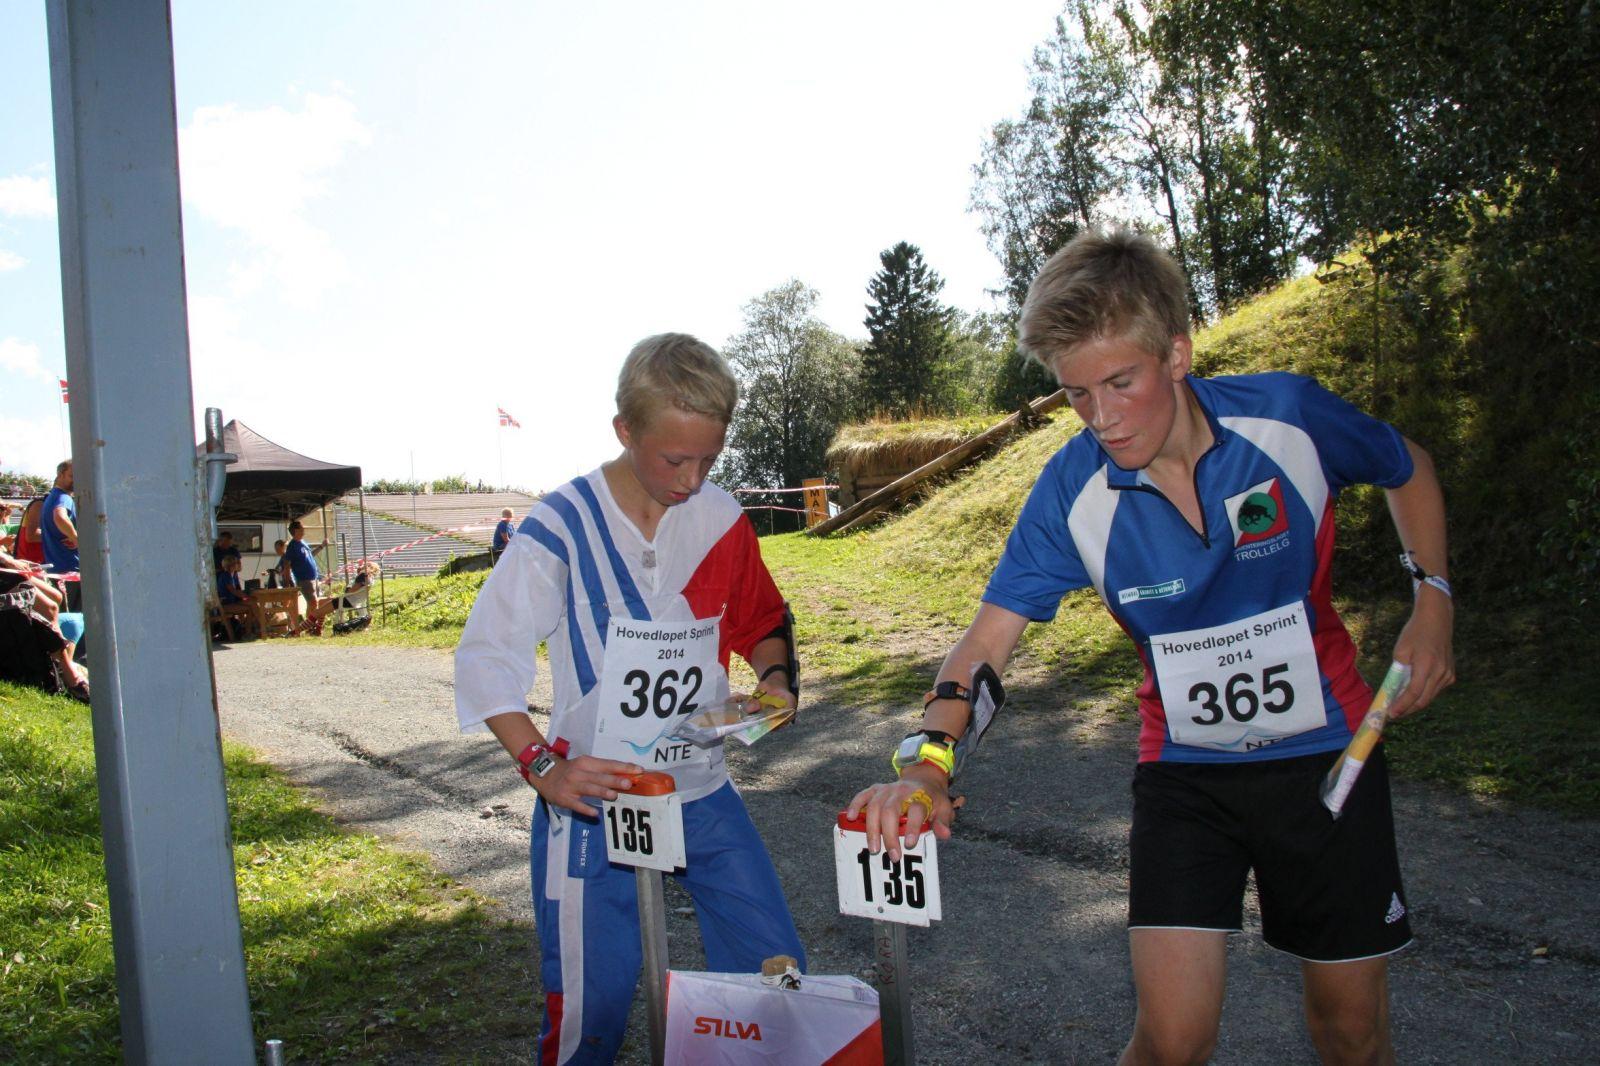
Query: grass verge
point(354, 951)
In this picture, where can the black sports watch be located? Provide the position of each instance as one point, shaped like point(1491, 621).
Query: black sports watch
point(947, 690)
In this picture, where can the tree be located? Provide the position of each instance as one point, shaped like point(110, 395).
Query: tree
point(906, 364)
point(1044, 177)
point(1148, 132)
point(796, 378)
point(1127, 125)
point(979, 345)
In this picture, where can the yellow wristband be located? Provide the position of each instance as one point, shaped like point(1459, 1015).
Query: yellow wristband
point(940, 755)
point(919, 796)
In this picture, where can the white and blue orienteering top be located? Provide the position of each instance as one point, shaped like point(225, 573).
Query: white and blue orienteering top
point(576, 573)
point(1245, 658)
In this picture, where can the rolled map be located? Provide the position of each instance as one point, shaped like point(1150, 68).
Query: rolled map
point(729, 720)
point(1343, 773)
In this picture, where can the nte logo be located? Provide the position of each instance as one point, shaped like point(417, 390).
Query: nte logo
point(727, 1027)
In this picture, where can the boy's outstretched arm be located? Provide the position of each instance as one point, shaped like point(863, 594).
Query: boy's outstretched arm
point(991, 638)
point(1426, 642)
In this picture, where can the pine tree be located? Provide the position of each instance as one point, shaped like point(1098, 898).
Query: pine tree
point(905, 366)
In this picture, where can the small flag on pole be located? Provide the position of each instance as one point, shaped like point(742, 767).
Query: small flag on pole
point(64, 397)
point(505, 419)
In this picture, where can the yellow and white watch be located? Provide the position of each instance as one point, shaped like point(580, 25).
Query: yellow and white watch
point(930, 746)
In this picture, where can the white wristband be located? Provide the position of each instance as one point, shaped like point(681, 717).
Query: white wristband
point(1420, 577)
point(1436, 581)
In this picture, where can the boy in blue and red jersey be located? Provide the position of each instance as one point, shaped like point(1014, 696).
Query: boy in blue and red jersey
point(643, 578)
point(1201, 511)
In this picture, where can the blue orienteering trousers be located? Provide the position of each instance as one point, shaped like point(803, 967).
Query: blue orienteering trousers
point(587, 911)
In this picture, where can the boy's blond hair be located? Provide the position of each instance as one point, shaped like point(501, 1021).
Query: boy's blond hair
point(1104, 285)
point(675, 369)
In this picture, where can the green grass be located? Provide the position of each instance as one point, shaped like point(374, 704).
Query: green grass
point(419, 612)
point(354, 951)
point(393, 592)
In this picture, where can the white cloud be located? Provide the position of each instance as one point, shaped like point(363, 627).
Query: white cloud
point(31, 445)
point(21, 358)
point(257, 171)
point(11, 261)
point(25, 197)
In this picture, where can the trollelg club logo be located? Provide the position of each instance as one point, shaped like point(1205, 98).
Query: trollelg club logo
point(1258, 513)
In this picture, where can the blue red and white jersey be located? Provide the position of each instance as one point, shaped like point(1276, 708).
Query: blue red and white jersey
point(1244, 655)
point(577, 562)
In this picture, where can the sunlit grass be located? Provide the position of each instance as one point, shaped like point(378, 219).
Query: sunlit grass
point(353, 951)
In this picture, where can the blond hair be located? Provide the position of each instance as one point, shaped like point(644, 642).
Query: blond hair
point(1104, 285)
point(678, 370)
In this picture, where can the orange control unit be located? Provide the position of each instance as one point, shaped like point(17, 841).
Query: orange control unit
point(651, 783)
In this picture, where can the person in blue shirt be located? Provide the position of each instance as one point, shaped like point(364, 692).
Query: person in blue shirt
point(1201, 511)
point(502, 536)
point(58, 523)
point(59, 531)
point(233, 600)
point(303, 568)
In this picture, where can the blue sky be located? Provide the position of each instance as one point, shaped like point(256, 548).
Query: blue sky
point(399, 216)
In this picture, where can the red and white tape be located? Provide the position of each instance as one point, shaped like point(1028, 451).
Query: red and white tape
point(351, 567)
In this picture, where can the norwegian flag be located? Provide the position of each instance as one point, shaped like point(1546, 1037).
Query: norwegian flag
point(65, 398)
point(505, 419)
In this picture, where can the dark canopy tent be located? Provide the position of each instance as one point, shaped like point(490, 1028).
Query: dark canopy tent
point(270, 482)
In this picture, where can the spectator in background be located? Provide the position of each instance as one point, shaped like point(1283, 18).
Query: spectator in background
point(277, 574)
point(8, 534)
point(30, 546)
point(366, 570)
point(303, 568)
point(502, 536)
point(58, 528)
point(38, 606)
point(232, 598)
point(223, 550)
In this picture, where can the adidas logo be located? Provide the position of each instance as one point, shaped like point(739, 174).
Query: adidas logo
point(1397, 910)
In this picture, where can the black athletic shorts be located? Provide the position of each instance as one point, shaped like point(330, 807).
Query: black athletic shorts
point(1329, 890)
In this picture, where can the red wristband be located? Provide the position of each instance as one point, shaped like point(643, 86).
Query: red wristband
point(525, 760)
point(530, 755)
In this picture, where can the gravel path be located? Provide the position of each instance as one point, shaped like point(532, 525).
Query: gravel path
point(1030, 964)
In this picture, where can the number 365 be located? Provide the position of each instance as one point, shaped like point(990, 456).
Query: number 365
point(1240, 697)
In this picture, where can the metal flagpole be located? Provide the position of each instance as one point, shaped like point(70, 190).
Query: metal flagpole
point(61, 418)
point(158, 756)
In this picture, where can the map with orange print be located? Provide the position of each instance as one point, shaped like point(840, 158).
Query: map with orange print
point(1342, 775)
